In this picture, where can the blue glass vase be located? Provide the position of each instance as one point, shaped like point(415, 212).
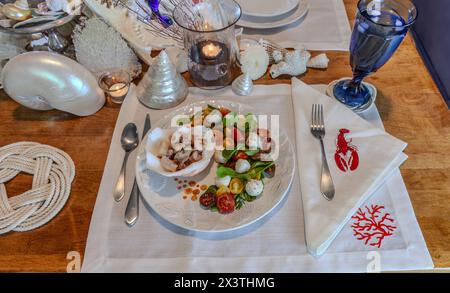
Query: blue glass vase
point(379, 28)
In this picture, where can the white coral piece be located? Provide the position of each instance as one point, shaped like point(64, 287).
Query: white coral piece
point(277, 56)
point(254, 61)
point(294, 63)
point(320, 61)
point(100, 47)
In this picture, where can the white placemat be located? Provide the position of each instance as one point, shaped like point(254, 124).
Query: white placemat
point(325, 27)
point(276, 244)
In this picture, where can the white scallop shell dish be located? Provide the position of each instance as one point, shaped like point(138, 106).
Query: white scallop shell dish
point(45, 81)
point(159, 139)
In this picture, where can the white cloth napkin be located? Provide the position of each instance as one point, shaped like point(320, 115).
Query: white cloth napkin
point(325, 27)
point(379, 154)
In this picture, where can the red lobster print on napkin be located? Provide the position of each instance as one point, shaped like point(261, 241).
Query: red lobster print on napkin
point(346, 156)
point(372, 225)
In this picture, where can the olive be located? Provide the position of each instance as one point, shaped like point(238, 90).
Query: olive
point(269, 172)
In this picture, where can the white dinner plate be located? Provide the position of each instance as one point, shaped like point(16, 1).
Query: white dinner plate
point(163, 196)
point(275, 22)
point(266, 8)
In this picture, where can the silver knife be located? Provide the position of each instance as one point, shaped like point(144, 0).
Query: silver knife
point(132, 211)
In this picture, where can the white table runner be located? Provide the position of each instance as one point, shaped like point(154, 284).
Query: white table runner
point(325, 27)
point(276, 244)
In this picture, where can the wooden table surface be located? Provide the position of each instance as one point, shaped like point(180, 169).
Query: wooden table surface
point(409, 102)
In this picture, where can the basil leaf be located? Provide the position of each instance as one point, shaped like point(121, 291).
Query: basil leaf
point(225, 171)
point(251, 152)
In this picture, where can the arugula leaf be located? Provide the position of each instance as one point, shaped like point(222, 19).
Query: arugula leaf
point(258, 168)
point(225, 171)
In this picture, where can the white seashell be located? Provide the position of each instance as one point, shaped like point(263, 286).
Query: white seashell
point(22, 4)
point(100, 47)
point(242, 85)
point(35, 20)
point(44, 80)
point(254, 61)
point(294, 63)
point(128, 26)
point(320, 61)
point(158, 136)
point(18, 10)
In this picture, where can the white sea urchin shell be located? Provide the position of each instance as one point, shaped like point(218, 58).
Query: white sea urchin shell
point(254, 61)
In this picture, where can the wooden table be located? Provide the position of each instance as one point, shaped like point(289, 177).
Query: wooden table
point(409, 102)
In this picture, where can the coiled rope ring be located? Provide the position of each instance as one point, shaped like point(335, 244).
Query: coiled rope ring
point(53, 172)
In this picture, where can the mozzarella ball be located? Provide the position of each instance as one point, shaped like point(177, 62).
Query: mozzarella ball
point(242, 166)
point(218, 157)
point(253, 141)
point(254, 187)
point(225, 181)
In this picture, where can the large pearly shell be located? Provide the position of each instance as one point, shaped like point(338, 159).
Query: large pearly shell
point(157, 136)
point(44, 80)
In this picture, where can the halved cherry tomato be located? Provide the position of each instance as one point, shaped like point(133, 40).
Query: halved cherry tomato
point(225, 203)
point(222, 190)
point(207, 200)
point(236, 186)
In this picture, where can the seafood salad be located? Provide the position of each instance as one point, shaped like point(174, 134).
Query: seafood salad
point(241, 149)
point(243, 157)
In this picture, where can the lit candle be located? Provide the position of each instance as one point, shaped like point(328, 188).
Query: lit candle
point(118, 90)
point(211, 50)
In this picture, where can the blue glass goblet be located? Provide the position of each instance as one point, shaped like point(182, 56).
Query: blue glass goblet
point(379, 28)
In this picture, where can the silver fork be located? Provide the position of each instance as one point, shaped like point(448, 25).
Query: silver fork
point(318, 130)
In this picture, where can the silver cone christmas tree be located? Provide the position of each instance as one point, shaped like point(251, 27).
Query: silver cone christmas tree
point(162, 86)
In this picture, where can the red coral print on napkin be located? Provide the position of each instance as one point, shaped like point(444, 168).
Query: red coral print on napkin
point(372, 225)
point(346, 156)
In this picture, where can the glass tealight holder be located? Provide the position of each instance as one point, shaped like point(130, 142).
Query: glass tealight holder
point(209, 40)
point(115, 84)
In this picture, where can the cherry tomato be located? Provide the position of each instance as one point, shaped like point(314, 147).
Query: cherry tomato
point(230, 164)
point(241, 155)
point(225, 203)
point(207, 200)
point(236, 186)
point(222, 190)
point(238, 136)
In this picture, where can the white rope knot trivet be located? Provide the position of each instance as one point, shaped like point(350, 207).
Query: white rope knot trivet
point(53, 172)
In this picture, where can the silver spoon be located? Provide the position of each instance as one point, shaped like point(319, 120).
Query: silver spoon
point(129, 141)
